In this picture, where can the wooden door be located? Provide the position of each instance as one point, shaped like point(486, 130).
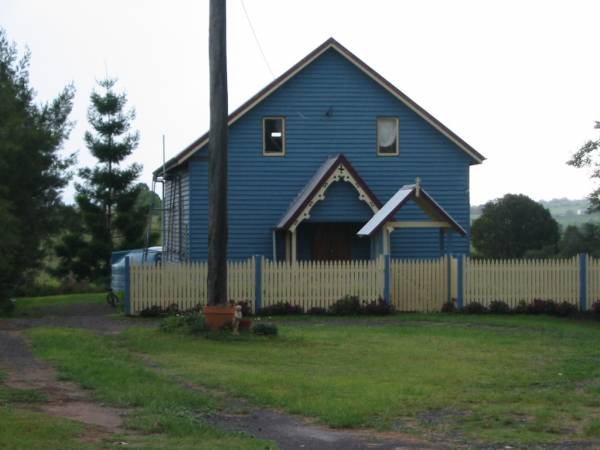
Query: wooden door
point(332, 242)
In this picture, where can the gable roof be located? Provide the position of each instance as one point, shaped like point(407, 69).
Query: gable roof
point(331, 43)
point(308, 195)
point(399, 199)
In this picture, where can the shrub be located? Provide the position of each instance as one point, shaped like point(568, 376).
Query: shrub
point(156, 310)
point(551, 308)
point(7, 306)
point(449, 307)
point(378, 307)
point(596, 308)
point(521, 308)
point(474, 308)
point(189, 323)
point(346, 306)
point(152, 311)
point(265, 329)
point(564, 309)
point(539, 306)
point(499, 307)
point(281, 309)
point(317, 311)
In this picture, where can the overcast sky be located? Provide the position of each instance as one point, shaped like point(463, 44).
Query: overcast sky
point(519, 81)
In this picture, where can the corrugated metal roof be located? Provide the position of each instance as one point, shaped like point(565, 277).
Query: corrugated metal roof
point(399, 199)
point(391, 206)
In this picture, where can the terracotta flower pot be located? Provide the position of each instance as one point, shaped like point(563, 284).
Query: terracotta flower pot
point(245, 324)
point(218, 317)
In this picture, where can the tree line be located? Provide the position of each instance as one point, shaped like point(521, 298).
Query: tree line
point(515, 226)
point(110, 204)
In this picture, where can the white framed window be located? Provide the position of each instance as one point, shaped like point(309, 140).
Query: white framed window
point(274, 136)
point(388, 136)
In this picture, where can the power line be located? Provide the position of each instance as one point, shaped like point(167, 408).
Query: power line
point(256, 39)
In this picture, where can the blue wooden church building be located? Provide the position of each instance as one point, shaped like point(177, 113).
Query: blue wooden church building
point(328, 162)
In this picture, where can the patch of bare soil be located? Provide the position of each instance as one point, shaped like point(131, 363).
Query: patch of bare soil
point(93, 317)
point(294, 432)
point(64, 399)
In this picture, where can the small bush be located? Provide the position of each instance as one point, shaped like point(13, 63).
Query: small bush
point(316, 311)
point(157, 311)
point(499, 307)
point(596, 308)
point(539, 306)
point(281, 309)
point(565, 309)
point(474, 308)
point(265, 329)
point(449, 307)
point(346, 306)
point(378, 307)
point(152, 311)
point(521, 308)
point(188, 323)
point(7, 306)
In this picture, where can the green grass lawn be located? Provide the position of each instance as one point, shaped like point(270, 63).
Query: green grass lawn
point(495, 379)
point(512, 380)
point(164, 414)
point(31, 306)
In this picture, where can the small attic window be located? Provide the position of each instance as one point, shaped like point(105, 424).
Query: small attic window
point(274, 136)
point(387, 136)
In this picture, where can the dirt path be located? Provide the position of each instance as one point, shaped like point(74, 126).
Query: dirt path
point(64, 399)
point(295, 433)
point(290, 431)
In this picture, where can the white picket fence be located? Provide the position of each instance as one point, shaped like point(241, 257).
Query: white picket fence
point(515, 280)
point(419, 284)
point(593, 281)
point(414, 285)
point(319, 284)
point(185, 284)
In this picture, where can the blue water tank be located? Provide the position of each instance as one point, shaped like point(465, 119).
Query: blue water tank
point(137, 256)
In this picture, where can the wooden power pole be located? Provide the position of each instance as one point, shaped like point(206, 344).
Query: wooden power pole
point(217, 156)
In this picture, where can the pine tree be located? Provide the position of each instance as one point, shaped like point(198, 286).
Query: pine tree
point(107, 196)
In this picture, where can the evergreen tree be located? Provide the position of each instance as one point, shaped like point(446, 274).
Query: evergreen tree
point(107, 197)
point(32, 170)
point(512, 226)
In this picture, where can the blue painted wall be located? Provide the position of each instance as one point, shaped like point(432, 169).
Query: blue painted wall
point(341, 204)
point(262, 188)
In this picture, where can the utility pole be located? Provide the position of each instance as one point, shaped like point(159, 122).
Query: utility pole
point(217, 156)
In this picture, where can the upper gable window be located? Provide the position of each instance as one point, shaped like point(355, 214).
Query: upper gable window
point(273, 136)
point(387, 136)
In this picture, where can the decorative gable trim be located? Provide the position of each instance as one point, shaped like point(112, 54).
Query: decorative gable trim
point(337, 168)
point(190, 150)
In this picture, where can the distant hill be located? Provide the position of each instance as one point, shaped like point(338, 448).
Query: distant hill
point(565, 211)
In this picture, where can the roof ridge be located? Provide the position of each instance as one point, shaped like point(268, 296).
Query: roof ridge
point(239, 112)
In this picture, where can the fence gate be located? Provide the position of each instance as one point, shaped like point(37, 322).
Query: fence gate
point(419, 284)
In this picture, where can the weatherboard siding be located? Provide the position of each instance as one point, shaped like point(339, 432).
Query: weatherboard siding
point(262, 188)
point(176, 216)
